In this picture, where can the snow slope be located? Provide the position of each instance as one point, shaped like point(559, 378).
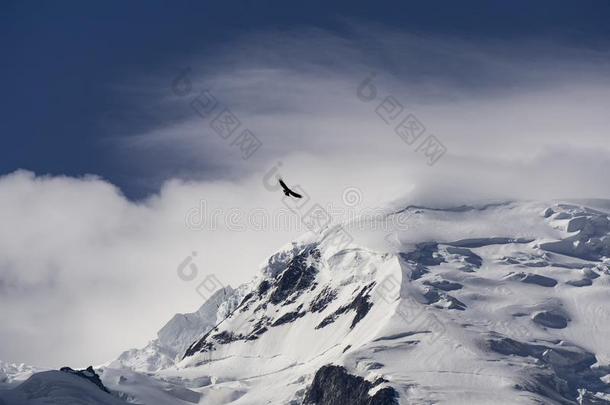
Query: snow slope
point(14, 374)
point(57, 387)
point(174, 338)
point(504, 303)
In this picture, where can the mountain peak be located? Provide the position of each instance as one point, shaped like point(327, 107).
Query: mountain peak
point(503, 302)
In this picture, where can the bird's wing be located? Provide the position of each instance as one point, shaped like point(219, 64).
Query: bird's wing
point(289, 191)
point(292, 193)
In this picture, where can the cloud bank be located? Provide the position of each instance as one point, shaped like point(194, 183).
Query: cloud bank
point(87, 273)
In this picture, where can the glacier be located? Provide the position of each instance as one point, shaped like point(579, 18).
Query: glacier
point(505, 302)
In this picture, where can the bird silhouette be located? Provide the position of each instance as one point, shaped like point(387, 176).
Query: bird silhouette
point(288, 191)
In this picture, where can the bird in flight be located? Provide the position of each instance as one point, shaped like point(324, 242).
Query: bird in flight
point(288, 191)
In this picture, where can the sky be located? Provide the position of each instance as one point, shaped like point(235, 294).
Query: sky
point(113, 159)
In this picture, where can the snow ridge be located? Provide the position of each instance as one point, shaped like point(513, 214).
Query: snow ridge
point(494, 303)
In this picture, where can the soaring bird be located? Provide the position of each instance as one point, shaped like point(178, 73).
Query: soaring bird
point(288, 191)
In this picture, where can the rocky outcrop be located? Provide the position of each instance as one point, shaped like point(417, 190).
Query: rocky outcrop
point(88, 374)
point(333, 385)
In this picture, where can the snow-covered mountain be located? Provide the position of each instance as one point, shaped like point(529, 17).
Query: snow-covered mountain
point(60, 387)
point(179, 333)
point(11, 374)
point(505, 303)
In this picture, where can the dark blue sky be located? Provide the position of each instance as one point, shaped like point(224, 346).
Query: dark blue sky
point(61, 61)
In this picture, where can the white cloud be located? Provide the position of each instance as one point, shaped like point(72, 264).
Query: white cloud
point(494, 105)
point(85, 273)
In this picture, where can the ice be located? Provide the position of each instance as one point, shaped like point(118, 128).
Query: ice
point(494, 303)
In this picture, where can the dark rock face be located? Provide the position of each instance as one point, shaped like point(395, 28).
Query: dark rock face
point(396, 336)
point(200, 345)
point(291, 276)
point(361, 305)
point(244, 304)
point(263, 287)
point(437, 297)
point(539, 280)
point(551, 319)
point(590, 274)
point(480, 242)
point(560, 371)
point(584, 282)
point(322, 300)
point(531, 278)
point(590, 237)
point(332, 385)
point(428, 254)
point(444, 285)
point(296, 278)
point(469, 256)
point(210, 339)
point(88, 374)
point(226, 337)
point(257, 332)
point(526, 259)
point(424, 254)
point(289, 317)
point(418, 272)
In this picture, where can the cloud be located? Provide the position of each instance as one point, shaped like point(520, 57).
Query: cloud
point(87, 273)
point(493, 104)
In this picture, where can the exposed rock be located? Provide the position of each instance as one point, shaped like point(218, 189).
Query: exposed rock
point(577, 224)
point(590, 274)
point(88, 374)
point(332, 385)
point(583, 282)
point(467, 255)
point(256, 333)
point(297, 277)
point(480, 242)
point(396, 336)
point(418, 272)
point(442, 300)
point(243, 305)
point(526, 259)
point(531, 278)
point(360, 304)
point(562, 370)
point(325, 297)
point(288, 317)
point(444, 285)
point(551, 319)
point(263, 287)
point(590, 229)
point(561, 215)
point(226, 337)
point(425, 254)
point(70, 387)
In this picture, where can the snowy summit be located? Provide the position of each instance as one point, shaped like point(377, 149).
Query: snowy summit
point(501, 303)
